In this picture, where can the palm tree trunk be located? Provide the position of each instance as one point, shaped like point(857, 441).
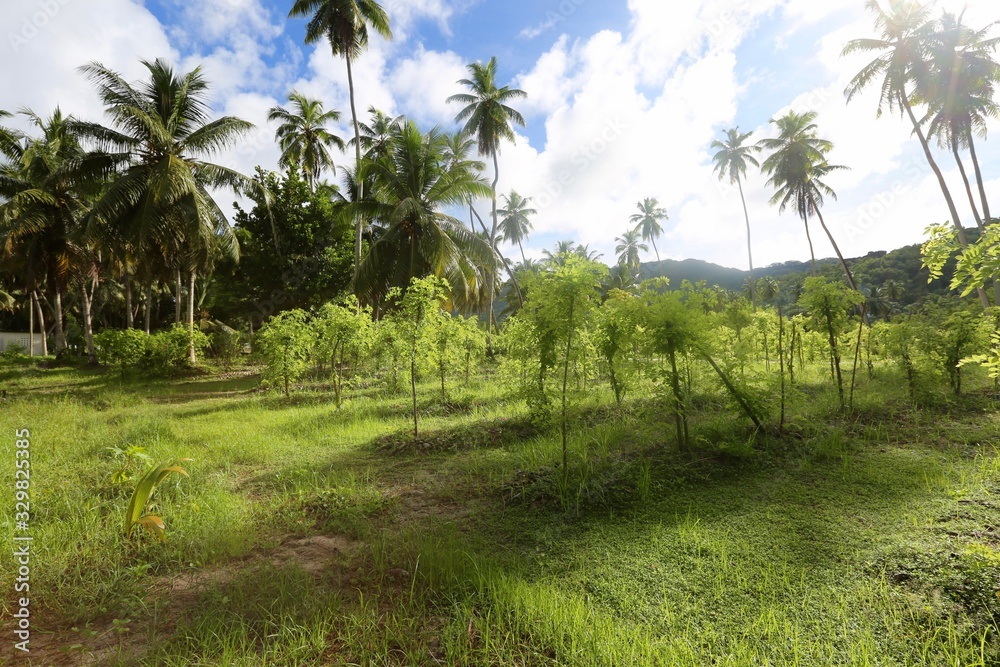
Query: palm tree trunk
point(128, 301)
point(523, 259)
point(653, 241)
point(178, 296)
point(979, 180)
point(41, 323)
point(746, 214)
point(836, 249)
point(149, 303)
point(491, 288)
point(506, 265)
point(88, 327)
point(31, 325)
point(965, 181)
point(357, 155)
point(58, 313)
point(812, 253)
point(956, 219)
point(192, 356)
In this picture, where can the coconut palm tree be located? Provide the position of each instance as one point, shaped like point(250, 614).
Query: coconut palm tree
point(557, 256)
point(959, 90)
point(796, 169)
point(304, 138)
point(516, 223)
point(377, 133)
point(583, 251)
point(648, 221)
point(903, 29)
point(731, 160)
point(488, 116)
point(344, 24)
point(410, 186)
point(160, 203)
point(629, 246)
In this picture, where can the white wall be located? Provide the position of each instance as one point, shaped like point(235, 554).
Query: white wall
point(12, 339)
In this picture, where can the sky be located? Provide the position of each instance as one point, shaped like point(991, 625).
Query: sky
point(624, 100)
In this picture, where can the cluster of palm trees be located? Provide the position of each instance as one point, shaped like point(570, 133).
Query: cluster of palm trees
point(941, 69)
point(131, 200)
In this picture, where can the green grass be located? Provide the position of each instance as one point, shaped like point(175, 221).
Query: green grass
point(867, 539)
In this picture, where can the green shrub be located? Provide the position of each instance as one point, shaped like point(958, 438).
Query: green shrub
point(121, 348)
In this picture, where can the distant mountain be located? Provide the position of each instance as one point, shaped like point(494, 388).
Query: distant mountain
point(903, 266)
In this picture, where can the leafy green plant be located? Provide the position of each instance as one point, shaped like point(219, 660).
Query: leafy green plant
point(284, 344)
point(343, 330)
point(127, 458)
point(134, 515)
point(227, 346)
point(123, 348)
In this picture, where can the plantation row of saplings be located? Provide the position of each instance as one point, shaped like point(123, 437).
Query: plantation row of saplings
point(572, 337)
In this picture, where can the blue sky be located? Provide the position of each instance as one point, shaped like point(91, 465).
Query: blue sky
point(625, 97)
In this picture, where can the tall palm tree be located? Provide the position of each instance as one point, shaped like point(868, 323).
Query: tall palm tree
point(344, 24)
point(557, 256)
point(304, 138)
point(648, 221)
point(458, 153)
point(516, 223)
point(628, 248)
point(796, 169)
point(488, 116)
point(903, 30)
point(160, 202)
point(583, 251)
point(731, 160)
point(411, 184)
point(959, 90)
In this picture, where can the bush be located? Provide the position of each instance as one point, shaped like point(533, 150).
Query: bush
point(121, 348)
point(227, 346)
point(168, 350)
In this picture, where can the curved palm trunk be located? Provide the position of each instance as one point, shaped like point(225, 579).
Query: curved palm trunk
point(523, 259)
point(129, 322)
point(357, 155)
point(979, 180)
point(746, 214)
point(653, 241)
point(177, 296)
point(31, 325)
point(956, 219)
point(192, 356)
point(506, 264)
point(836, 249)
point(812, 253)
point(965, 181)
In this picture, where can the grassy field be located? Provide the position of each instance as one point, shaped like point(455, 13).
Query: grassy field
point(308, 535)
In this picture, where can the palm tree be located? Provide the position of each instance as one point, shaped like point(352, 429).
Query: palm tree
point(902, 47)
point(628, 248)
point(304, 138)
point(516, 223)
point(959, 91)
point(458, 153)
point(42, 222)
point(488, 116)
point(344, 24)
point(160, 203)
point(557, 256)
point(731, 160)
point(583, 251)
point(377, 133)
point(796, 169)
point(411, 184)
point(648, 221)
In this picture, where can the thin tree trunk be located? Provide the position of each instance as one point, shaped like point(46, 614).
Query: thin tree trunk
point(965, 181)
point(491, 288)
point(149, 304)
point(653, 241)
point(781, 362)
point(952, 209)
point(857, 354)
point(746, 214)
point(836, 249)
point(835, 357)
point(680, 418)
point(357, 155)
point(979, 180)
point(732, 390)
point(791, 357)
point(41, 323)
point(523, 259)
point(88, 328)
point(128, 302)
point(506, 265)
point(58, 312)
point(31, 324)
point(812, 253)
point(178, 296)
point(192, 355)
point(413, 391)
point(569, 351)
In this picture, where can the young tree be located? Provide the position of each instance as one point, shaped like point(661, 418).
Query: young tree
point(616, 331)
point(284, 344)
point(829, 305)
point(343, 330)
point(417, 316)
